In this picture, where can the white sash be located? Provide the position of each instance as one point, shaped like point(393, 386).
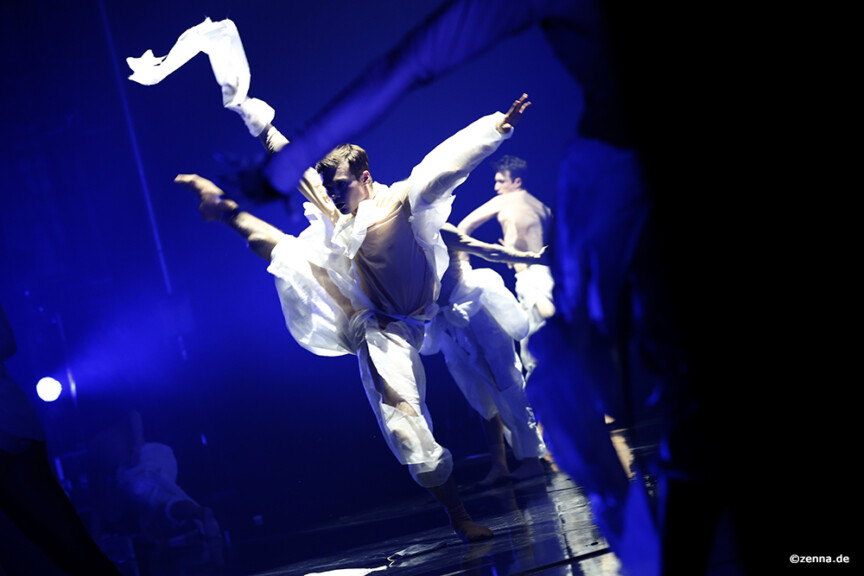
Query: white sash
point(221, 42)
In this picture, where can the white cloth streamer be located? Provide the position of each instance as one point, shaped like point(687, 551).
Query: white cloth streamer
point(221, 42)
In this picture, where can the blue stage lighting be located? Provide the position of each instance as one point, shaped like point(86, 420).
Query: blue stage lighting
point(48, 389)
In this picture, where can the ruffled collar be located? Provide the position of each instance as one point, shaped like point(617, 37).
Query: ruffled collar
point(350, 231)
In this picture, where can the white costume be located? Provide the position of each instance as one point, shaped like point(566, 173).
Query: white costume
point(221, 42)
point(475, 330)
point(532, 283)
point(368, 285)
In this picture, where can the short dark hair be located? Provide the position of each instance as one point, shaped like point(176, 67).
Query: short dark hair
point(355, 156)
point(517, 167)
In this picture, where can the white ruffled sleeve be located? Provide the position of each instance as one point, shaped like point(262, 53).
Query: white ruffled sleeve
point(431, 184)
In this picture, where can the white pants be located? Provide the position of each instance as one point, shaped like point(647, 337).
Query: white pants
point(482, 359)
point(392, 371)
point(531, 284)
point(476, 331)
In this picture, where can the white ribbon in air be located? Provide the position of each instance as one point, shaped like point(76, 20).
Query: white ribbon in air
point(221, 42)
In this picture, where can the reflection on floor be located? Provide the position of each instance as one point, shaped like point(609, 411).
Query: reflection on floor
point(542, 526)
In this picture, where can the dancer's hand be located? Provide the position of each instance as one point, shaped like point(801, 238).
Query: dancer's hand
point(513, 115)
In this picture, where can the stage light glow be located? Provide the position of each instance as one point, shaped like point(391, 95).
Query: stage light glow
point(48, 389)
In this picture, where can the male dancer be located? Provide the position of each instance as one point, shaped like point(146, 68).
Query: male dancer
point(475, 329)
point(364, 276)
point(525, 224)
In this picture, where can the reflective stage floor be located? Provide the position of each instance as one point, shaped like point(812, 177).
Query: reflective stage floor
point(542, 526)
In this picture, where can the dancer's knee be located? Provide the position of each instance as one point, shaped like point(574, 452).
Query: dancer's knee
point(433, 474)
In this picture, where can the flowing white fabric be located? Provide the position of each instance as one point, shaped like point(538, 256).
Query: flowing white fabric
point(221, 42)
point(350, 233)
point(329, 314)
point(320, 308)
point(477, 289)
point(440, 173)
point(532, 283)
point(317, 320)
point(393, 351)
point(475, 331)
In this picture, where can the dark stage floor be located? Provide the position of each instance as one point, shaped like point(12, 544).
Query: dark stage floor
point(542, 526)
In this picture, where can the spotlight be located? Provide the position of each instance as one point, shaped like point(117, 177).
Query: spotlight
point(48, 389)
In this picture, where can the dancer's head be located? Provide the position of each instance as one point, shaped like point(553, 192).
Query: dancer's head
point(509, 174)
point(345, 174)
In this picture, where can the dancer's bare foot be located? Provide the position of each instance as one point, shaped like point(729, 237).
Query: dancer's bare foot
point(466, 528)
point(473, 532)
point(497, 475)
point(530, 468)
point(214, 206)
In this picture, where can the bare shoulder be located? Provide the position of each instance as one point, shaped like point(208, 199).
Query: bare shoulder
point(534, 198)
point(539, 205)
point(523, 200)
point(494, 201)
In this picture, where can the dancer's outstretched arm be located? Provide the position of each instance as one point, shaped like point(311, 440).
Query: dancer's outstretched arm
point(261, 236)
point(461, 243)
point(480, 215)
point(450, 163)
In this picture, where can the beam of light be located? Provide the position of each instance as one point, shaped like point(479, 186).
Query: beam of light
point(73, 386)
point(137, 153)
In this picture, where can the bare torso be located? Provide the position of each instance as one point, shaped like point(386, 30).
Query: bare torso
point(524, 220)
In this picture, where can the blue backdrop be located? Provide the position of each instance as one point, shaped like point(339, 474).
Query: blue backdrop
point(114, 284)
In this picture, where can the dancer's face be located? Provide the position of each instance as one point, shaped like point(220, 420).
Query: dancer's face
point(345, 189)
point(505, 184)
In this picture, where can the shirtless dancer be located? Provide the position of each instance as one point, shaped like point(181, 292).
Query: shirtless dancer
point(525, 222)
point(475, 329)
